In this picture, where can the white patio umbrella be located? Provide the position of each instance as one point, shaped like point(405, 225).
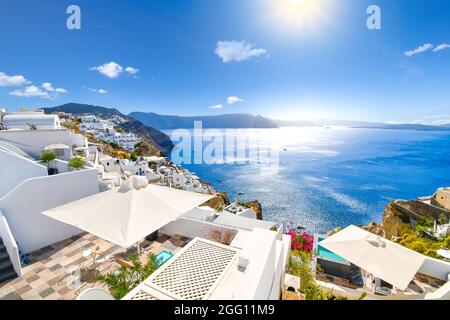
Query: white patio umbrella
point(127, 214)
point(384, 259)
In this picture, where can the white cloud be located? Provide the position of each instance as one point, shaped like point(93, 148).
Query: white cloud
point(131, 70)
point(100, 91)
point(30, 92)
point(234, 100)
point(47, 86)
point(11, 81)
point(216, 107)
point(421, 49)
point(441, 47)
point(60, 90)
point(114, 70)
point(110, 69)
point(237, 51)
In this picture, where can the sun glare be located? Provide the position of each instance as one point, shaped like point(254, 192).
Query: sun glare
point(300, 15)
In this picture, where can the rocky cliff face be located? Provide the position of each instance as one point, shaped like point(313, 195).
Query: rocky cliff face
point(221, 200)
point(395, 223)
point(257, 208)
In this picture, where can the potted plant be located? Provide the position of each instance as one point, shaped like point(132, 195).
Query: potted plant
point(46, 157)
point(77, 163)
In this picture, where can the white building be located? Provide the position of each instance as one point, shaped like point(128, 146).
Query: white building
point(33, 142)
point(252, 267)
point(26, 121)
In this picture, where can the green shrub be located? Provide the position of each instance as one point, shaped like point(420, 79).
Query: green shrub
point(133, 156)
point(443, 219)
point(425, 221)
point(300, 266)
point(77, 163)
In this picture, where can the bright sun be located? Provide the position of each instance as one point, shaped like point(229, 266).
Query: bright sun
point(302, 15)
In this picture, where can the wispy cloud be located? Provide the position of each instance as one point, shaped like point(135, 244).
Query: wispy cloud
point(441, 47)
point(234, 100)
point(114, 70)
point(100, 91)
point(46, 91)
point(131, 70)
point(237, 51)
point(31, 92)
point(216, 107)
point(434, 120)
point(426, 47)
point(47, 86)
point(12, 81)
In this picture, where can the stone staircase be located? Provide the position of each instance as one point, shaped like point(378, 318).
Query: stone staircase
point(6, 268)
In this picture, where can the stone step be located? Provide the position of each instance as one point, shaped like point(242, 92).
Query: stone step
point(4, 256)
point(5, 265)
point(7, 275)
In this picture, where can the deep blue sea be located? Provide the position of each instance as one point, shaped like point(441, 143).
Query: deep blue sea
point(337, 176)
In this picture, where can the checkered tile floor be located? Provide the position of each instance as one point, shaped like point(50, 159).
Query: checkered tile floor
point(53, 271)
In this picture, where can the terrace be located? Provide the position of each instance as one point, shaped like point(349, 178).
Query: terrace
point(54, 271)
point(355, 261)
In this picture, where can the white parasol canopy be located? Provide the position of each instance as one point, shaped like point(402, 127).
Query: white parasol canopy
point(384, 259)
point(127, 214)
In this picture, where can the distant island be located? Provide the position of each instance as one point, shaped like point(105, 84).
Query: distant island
point(238, 120)
point(416, 127)
point(360, 125)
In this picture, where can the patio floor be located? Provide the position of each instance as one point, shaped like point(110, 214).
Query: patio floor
point(421, 284)
point(53, 273)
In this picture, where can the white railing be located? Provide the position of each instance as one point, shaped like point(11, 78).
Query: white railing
point(10, 244)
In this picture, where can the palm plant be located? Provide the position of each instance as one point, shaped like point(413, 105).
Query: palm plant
point(77, 163)
point(47, 156)
point(127, 278)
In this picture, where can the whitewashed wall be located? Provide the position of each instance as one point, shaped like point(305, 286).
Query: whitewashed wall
point(10, 244)
point(22, 207)
point(278, 278)
point(34, 141)
point(260, 252)
point(14, 169)
point(436, 268)
point(192, 228)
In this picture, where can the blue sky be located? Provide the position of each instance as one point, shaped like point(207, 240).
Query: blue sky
point(287, 59)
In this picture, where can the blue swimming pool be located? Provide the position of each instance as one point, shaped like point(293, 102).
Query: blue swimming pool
point(163, 257)
point(327, 254)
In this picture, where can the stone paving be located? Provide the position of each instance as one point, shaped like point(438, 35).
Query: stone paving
point(53, 273)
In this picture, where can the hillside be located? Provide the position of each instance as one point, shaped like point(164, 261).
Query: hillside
point(161, 141)
point(239, 120)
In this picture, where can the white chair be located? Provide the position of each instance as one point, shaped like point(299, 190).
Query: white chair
point(95, 294)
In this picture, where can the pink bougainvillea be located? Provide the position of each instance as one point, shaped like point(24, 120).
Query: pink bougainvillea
point(300, 240)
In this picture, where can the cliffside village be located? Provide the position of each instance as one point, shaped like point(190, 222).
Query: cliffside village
point(64, 224)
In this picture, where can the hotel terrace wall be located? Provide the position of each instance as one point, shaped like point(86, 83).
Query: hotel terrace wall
point(22, 207)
